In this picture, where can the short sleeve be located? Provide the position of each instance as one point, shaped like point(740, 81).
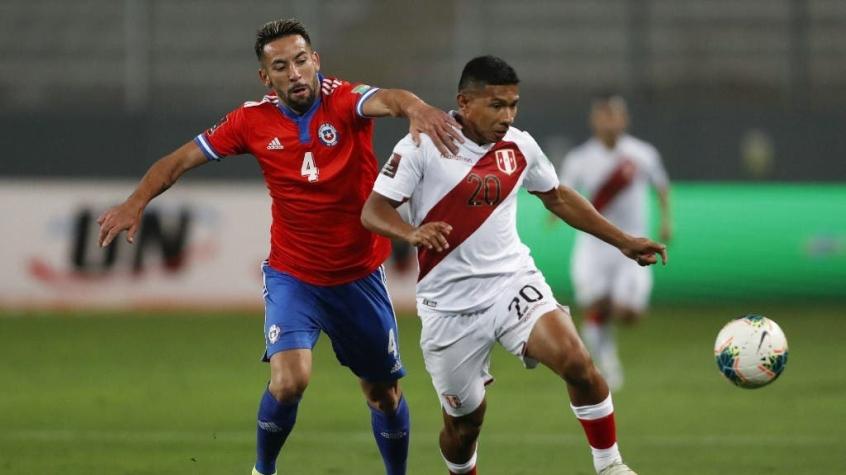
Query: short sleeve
point(224, 138)
point(402, 172)
point(540, 177)
point(656, 171)
point(350, 97)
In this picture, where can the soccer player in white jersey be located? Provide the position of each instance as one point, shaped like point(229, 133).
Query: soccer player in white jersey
point(477, 283)
point(615, 172)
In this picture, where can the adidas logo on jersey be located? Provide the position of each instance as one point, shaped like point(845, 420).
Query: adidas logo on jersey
point(275, 144)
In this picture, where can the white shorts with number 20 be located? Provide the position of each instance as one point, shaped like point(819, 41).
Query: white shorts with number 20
point(457, 347)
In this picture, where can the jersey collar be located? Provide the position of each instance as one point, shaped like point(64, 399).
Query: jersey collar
point(304, 121)
point(471, 145)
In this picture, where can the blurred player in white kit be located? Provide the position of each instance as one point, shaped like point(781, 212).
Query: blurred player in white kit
point(614, 171)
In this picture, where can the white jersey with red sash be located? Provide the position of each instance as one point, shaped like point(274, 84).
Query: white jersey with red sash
point(616, 180)
point(475, 192)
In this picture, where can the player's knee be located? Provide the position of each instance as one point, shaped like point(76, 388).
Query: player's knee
point(384, 398)
point(577, 368)
point(288, 389)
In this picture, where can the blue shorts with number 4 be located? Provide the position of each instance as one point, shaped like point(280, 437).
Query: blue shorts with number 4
point(357, 317)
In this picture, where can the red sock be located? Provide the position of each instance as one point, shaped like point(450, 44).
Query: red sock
point(471, 472)
point(601, 433)
point(596, 317)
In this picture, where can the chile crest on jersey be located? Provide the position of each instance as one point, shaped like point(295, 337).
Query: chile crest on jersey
point(327, 134)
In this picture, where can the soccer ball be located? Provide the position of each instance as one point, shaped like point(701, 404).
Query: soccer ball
point(751, 351)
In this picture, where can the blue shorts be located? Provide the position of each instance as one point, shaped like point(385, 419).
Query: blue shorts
point(357, 317)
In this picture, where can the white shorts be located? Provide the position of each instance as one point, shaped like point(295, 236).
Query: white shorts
point(599, 271)
point(457, 347)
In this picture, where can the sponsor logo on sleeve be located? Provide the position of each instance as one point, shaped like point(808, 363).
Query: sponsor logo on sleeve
point(361, 89)
point(392, 165)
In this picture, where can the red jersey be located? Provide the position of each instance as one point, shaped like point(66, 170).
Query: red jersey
point(319, 168)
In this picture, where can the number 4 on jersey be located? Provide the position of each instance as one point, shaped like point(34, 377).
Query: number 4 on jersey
point(392, 344)
point(309, 169)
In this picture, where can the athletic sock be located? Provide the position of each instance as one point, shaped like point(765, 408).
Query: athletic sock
point(592, 337)
point(466, 468)
point(601, 343)
point(600, 429)
point(275, 422)
point(392, 433)
point(596, 317)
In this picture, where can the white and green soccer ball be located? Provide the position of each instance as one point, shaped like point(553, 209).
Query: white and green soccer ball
point(751, 351)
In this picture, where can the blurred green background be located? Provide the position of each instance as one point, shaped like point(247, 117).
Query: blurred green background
point(732, 242)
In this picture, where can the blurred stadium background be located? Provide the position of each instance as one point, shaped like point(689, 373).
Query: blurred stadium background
point(144, 360)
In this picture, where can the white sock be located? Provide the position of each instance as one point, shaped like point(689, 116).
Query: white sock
point(605, 457)
point(601, 342)
point(592, 337)
point(461, 468)
point(595, 411)
point(601, 457)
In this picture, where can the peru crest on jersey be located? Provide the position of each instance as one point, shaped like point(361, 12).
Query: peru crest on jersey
point(506, 161)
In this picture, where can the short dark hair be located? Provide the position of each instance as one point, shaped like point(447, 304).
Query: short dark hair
point(601, 98)
point(487, 71)
point(276, 29)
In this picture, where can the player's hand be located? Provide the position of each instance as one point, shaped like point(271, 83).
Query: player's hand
point(444, 131)
point(432, 236)
point(123, 217)
point(645, 252)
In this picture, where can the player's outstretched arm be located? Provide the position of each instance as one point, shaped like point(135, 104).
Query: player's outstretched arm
point(576, 211)
point(159, 177)
point(422, 118)
point(381, 217)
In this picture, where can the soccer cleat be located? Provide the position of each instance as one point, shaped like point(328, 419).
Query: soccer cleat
point(256, 472)
point(617, 468)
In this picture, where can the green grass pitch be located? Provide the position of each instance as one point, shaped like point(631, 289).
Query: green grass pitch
point(177, 394)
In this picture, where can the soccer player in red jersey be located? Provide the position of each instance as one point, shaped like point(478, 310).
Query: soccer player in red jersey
point(312, 136)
